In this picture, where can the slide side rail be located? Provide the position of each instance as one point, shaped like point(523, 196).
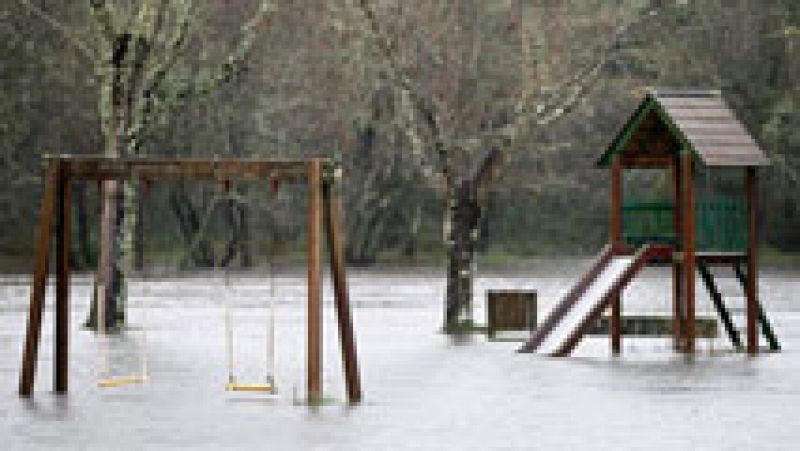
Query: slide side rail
point(646, 254)
point(566, 303)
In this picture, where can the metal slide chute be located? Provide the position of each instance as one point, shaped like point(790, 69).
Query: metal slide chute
point(583, 305)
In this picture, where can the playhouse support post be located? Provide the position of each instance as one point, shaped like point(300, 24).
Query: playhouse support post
point(752, 266)
point(41, 262)
point(332, 206)
point(677, 269)
point(63, 234)
point(616, 239)
point(314, 325)
point(688, 251)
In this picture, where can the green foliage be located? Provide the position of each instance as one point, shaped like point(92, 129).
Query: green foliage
point(314, 83)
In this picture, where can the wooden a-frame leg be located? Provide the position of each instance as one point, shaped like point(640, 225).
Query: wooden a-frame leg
point(332, 215)
point(41, 260)
point(314, 302)
point(63, 235)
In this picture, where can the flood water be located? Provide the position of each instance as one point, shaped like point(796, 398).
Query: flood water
point(422, 389)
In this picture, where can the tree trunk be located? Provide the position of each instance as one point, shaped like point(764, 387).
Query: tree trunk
point(84, 258)
point(463, 215)
point(138, 243)
point(108, 268)
point(244, 237)
point(107, 275)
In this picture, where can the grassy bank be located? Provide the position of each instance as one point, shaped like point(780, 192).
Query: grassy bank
point(494, 258)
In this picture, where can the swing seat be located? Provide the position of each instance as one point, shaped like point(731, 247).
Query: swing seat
point(122, 380)
point(231, 386)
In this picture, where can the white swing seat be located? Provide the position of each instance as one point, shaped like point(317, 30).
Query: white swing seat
point(122, 380)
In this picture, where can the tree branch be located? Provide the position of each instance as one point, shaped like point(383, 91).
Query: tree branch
point(202, 229)
point(409, 95)
point(69, 34)
point(574, 89)
point(103, 18)
point(230, 69)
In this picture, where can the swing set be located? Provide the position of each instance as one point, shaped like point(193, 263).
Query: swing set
point(324, 212)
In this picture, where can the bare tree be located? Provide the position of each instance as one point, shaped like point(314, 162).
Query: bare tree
point(433, 70)
point(135, 49)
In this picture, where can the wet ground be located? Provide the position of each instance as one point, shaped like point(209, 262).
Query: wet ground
point(422, 390)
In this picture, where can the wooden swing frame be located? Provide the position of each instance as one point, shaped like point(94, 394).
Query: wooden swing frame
point(324, 211)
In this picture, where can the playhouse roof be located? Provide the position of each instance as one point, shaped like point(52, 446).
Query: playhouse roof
point(698, 119)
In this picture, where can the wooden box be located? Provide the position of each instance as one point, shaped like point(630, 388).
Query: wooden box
point(510, 310)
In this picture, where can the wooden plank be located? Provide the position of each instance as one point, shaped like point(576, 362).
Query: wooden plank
point(752, 261)
point(100, 168)
point(333, 220)
point(700, 126)
point(690, 103)
point(740, 143)
point(688, 249)
point(42, 256)
point(719, 258)
point(735, 162)
point(655, 326)
point(684, 93)
point(704, 114)
point(314, 307)
point(740, 155)
point(63, 234)
point(646, 161)
point(616, 237)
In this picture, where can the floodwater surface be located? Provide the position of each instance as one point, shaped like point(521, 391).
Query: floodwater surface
point(422, 390)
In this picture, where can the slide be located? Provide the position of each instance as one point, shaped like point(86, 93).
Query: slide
point(582, 306)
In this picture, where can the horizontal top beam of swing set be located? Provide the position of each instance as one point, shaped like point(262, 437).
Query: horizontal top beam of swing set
point(80, 167)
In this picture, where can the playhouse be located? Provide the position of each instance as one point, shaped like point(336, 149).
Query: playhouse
point(708, 217)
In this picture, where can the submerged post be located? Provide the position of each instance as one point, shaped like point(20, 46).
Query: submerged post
point(677, 269)
point(314, 345)
point(616, 239)
point(687, 214)
point(752, 263)
point(63, 234)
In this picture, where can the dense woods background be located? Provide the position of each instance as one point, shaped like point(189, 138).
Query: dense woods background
point(316, 81)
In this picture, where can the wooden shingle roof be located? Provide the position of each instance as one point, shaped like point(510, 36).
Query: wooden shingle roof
point(699, 120)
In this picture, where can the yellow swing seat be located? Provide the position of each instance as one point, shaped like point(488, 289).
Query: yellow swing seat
point(122, 380)
point(234, 386)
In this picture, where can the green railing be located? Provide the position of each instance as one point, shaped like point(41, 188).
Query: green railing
point(721, 224)
point(720, 221)
point(647, 222)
